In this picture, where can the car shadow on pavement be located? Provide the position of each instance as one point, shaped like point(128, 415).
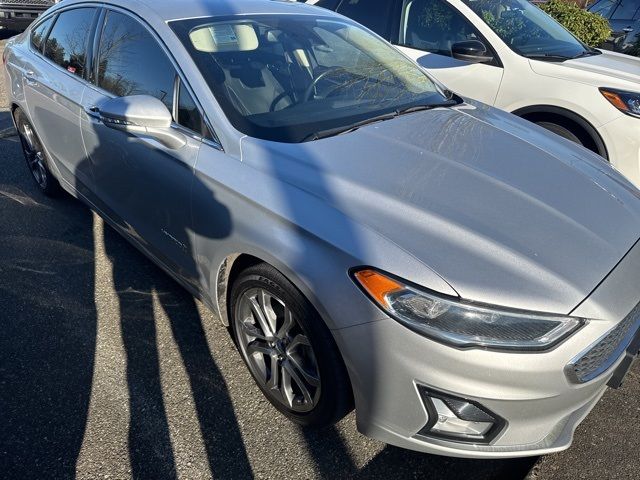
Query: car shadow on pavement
point(330, 454)
point(136, 281)
point(48, 320)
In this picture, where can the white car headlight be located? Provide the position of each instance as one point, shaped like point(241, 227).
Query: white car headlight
point(464, 325)
point(626, 102)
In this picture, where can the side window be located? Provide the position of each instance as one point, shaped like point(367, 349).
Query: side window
point(373, 14)
point(604, 7)
point(434, 26)
point(66, 45)
point(626, 10)
point(188, 113)
point(38, 33)
point(130, 61)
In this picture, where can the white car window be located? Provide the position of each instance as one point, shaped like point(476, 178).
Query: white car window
point(434, 26)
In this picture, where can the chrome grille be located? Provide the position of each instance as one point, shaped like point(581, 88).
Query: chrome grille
point(27, 3)
point(604, 353)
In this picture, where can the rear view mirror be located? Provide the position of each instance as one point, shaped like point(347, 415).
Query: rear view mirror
point(472, 51)
point(140, 114)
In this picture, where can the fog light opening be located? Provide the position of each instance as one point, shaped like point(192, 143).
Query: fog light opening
point(457, 419)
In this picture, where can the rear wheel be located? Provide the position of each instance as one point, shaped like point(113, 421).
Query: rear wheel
point(35, 156)
point(288, 348)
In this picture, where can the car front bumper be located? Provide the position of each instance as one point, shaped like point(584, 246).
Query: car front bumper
point(622, 138)
point(540, 403)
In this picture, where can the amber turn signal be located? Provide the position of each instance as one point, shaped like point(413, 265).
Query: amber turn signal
point(377, 285)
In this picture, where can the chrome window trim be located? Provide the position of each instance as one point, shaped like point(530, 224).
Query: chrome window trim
point(107, 7)
point(35, 25)
point(103, 9)
point(42, 56)
point(176, 94)
point(213, 143)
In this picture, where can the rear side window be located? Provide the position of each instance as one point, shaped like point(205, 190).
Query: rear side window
point(66, 45)
point(131, 62)
point(604, 7)
point(38, 34)
point(626, 10)
point(373, 14)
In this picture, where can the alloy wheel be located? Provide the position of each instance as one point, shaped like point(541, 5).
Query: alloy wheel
point(34, 154)
point(277, 350)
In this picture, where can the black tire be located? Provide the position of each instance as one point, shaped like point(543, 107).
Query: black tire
point(35, 156)
point(564, 132)
point(335, 395)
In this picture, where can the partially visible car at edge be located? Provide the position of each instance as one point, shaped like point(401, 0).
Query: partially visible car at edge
point(17, 15)
point(512, 55)
point(624, 18)
point(469, 280)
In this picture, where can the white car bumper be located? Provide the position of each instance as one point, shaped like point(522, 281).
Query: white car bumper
point(622, 138)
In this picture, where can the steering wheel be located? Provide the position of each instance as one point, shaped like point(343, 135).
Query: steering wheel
point(309, 90)
point(281, 96)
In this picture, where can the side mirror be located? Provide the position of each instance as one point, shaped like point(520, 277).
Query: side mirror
point(140, 115)
point(472, 51)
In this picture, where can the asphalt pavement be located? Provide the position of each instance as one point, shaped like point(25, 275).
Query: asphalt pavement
point(109, 369)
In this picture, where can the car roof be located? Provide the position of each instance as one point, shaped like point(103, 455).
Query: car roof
point(169, 10)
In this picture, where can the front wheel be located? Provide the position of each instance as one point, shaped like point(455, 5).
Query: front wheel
point(288, 348)
point(560, 130)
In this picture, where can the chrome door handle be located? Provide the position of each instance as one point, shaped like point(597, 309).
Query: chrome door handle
point(627, 29)
point(29, 77)
point(93, 112)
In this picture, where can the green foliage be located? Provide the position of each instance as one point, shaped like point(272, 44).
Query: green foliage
point(506, 25)
point(436, 15)
point(591, 28)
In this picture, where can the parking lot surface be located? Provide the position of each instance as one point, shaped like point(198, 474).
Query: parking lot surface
point(109, 369)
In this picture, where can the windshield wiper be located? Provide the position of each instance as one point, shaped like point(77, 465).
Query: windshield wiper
point(548, 56)
point(454, 100)
point(417, 108)
point(349, 128)
point(587, 53)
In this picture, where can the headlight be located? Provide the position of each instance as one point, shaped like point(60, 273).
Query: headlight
point(626, 102)
point(464, 325)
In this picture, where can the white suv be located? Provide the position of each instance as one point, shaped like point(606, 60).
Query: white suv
point(510, 54)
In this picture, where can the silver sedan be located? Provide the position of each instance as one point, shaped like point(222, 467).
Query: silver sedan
point(469, 281)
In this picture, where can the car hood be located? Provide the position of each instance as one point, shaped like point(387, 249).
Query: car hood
point(606, 69)
point(504, 211)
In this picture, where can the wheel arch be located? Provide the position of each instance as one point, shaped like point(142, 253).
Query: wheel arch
point(233, 264)
point(14, 107)
point(568, 119)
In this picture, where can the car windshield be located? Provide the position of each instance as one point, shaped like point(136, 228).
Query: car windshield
point(289, 77)
point(528, 30)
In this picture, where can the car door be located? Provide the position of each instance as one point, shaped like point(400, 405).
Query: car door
point(623, 21)
point(427, 31)
point(605, 8)
point(142, 185)
point(54, 84)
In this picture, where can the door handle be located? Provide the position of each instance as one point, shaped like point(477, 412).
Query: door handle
point(29, 77)
point(93, 112)
point(627, 29)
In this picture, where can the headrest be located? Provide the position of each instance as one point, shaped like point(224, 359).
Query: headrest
point(224, 37)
